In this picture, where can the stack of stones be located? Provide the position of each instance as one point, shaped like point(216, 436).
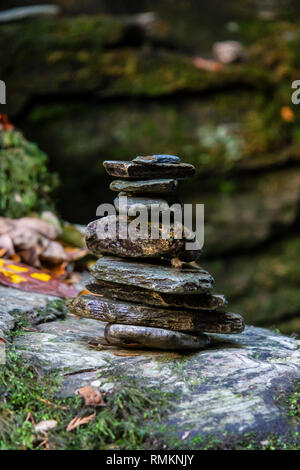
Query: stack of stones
point(148, 292)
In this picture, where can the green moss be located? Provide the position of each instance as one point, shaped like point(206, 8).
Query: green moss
point(122, 423)
point(25, 184)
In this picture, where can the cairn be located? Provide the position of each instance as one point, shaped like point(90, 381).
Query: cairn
point(148, 292)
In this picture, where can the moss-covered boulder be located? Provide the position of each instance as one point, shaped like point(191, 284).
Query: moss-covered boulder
point(25, 183)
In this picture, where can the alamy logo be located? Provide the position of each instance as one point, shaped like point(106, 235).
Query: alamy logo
point(296, 94)
point(2, 92)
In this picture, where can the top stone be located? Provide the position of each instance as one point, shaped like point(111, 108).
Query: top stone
point(134, 170)
point(150, 159)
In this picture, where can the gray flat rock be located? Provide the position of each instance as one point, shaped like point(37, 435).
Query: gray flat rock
point(230, 388)
point(112, 290)
point(14, 301)
point(132, 170)
point(150, 159)
point(133, 336)
point(136, 203)
point(153, 276)
point(129, 313)
point(148, 186)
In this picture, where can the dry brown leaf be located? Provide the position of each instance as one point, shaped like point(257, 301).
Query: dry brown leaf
point(75, 254)
point(205, 64)
point(44, 426)
point(88, 292)
point(30, 329)
point(6, 245)
point(91, 396)
point(47, 402)
point(124, 355)
point(77, 421)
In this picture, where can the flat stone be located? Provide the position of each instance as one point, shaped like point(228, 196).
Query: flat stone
point(15, 303)
point(155, 338)
point(142, 247)
point(132, 293)
point(132, 170)
point(136, 203)
point(129, 313)
point(148, 186)
point(150, 159)
point(224, 392)
point(153, 276)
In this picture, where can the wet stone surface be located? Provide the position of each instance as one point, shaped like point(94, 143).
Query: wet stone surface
point(103, 237)
point(132, 170)
point(155, 277)
point(147, 186)
point(133, 204)
point(133, 293)
point(129, 313)
point(157, 159)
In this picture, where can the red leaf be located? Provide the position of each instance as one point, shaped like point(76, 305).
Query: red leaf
point(21, 276)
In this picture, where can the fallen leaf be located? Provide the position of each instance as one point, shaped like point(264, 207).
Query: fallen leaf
point(54, 253)
point(6, 245)
point(44, 426)
point(2, 340)
point(4, 123)
point(205, 64)
point(287, 114)
point(77, 421)
point(124, 355)
point(88, 292)
point(47, 402)
point(91, 396)
point(26, 278)
point(29, 329)
point(75, 254)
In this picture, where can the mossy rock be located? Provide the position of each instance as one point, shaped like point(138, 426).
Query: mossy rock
point(25, 183)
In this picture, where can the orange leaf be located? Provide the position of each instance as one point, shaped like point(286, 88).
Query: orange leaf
point(287, 114)
point(77, 421)
point(4, 123)
point(205, 64)
point(88, 292)
point(33, 280)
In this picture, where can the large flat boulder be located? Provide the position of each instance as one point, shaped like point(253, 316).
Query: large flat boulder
point(232, 387)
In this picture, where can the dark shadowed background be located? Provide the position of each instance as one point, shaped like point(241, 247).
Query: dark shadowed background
point(116, 79)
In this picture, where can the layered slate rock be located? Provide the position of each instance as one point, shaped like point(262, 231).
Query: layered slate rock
point(151, 159)
point(134, 204)
point(146, 186)
point(161, 302)
point(156, 277)
point(130, 313)
point(103, 236)
point(132, 170)
point(133, 293)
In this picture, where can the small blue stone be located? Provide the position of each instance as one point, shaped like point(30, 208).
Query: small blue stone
point(167, 158)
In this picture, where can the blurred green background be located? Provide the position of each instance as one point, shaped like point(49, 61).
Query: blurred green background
point(112, 80)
